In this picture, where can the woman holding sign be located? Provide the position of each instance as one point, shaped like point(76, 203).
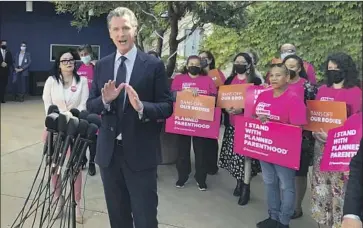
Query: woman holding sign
point(281, 104)
point(194, 79)
point(240, 167)
point(209, 66)
point(307, 91)
point(328, 187)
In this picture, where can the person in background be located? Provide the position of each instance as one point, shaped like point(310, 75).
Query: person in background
point(307, 91)
point(193, 79)
point(290, 49)
point(21, 73)
point(6, 68)
point(255, 59)
point(86, 70)
point(327, 188)
point(67, 90)
point(208, 64)
point(240, 167)
point(353, 201)
point(279, 181)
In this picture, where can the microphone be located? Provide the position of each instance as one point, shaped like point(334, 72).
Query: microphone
point(52, 109)
point(72, 128)
point(82, 133)
point(83, 114)
point(51, 123)
point(91, 132)
point(75, 112)
point(62, 128)
point(95, 119)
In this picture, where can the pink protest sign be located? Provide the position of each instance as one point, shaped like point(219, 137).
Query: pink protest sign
point(341, 145)
point(271, 142)
point(252, 93)
point(194, 127)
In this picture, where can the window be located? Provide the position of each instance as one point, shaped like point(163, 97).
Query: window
point(192, 42)
point(55, 49)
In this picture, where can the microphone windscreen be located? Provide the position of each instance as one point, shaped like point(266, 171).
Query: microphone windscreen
point(51, 121)
point(83, 115)
point(82, 128)
point(91, 131)
point(53, 108)
point(62, 122)
point(95, 119)
point(72, 126)
point(75, 112)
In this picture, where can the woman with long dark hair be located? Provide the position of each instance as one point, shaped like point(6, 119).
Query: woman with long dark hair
point(240, 167)
point(67, 90)
point(307, 91)
point(194, 79)
point(342, 84)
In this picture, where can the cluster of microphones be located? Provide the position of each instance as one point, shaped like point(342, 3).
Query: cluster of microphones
point(72, 132)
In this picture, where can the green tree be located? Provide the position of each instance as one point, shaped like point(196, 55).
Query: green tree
point(159, 16)
point(316, 28)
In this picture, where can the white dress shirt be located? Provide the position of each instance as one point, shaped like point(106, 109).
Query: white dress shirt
point(129, 63)
point(20, 60)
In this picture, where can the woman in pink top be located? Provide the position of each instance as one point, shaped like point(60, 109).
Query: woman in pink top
point(194, 79)
point(328, 187)
point(240, 167)
point(86, 70)
point(282, 105)
point(208, 63)
point(307, 91)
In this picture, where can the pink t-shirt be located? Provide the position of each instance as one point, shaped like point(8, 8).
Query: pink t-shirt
point(236, 81)
point(287, 108)
point(86, 71)
point(352, 97)
point(204, 84)
point(298, 87)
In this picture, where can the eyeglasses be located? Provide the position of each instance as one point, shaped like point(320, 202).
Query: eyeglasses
point(67, 61)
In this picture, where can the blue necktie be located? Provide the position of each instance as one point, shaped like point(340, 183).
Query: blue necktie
point(121, 78)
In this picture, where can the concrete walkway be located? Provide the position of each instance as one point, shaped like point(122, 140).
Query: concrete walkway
point(21, 128)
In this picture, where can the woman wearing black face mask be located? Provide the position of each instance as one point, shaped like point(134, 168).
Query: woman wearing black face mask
point(195, 79)
point(209, 65)
point(240, 167)
point(327, 188)
point(307, 91)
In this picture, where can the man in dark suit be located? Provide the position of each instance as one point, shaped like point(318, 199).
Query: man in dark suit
point(22, 63)
point(130, 92)
point(6, 66)
point(353, 202)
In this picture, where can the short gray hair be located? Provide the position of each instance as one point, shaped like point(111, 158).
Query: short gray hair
point(121, 12)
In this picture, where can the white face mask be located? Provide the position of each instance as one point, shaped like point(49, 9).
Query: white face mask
point(22, 48)
point(284, 55)
point(86, 59)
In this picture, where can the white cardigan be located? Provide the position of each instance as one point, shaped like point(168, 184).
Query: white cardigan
point(53, 94)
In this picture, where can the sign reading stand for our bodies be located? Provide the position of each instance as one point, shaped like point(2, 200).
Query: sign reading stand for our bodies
point(271, 142)
point(341, 145)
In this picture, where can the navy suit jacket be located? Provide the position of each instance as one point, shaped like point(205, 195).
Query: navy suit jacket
point(25, 64)
point(140, 137)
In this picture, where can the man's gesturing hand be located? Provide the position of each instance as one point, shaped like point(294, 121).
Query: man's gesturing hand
point(110, 92)
point(134, 98)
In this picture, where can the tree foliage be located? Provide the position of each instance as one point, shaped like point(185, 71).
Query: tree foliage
point(316, 28)
point(151, 17)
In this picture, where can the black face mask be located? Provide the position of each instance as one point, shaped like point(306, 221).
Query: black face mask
point(194, 70)
point(204, 63)
point(336, 75)
point(292, 74)
point(240, 69)
point(3, 47)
